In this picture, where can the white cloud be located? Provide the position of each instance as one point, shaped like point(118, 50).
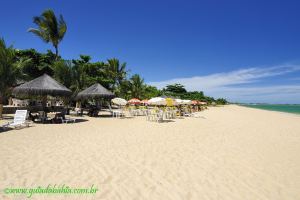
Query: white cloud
point(267, 94)
point(232, 84)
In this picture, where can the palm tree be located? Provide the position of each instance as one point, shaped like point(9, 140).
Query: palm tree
point(116, 71)
point(137, 86)
point(10, 71)
point(50, 29)
point(79, 76)
point(62, 72)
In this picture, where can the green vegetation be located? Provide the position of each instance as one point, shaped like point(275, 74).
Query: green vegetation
point(10, 71)
point(50, 29)
point(17, 66)
point(178, 91)
point(221, 101)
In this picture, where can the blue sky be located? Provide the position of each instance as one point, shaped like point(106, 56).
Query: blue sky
point(246, 51)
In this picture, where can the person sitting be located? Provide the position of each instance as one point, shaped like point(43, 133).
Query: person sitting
point(32, 117)
point(93, 111)
point(58, 118)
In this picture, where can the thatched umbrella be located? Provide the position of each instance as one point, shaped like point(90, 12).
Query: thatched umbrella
point(42, 86)
point(95, 91)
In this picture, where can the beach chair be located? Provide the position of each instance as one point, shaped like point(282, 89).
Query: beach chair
point(4, 126)
point(149, 115)
point(78, 111)
point(115, 113)
point(66, 120)
point(160, 116)
point(133, 112)
point(155, 115)
point(19, 120)
point(61, 117)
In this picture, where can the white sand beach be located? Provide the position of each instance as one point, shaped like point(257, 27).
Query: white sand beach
point(228, 153)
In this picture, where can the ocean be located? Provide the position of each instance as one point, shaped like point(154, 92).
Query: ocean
point(288, 108)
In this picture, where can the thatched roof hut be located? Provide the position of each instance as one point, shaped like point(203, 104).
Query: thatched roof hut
point(42, 86)
point(95, 91)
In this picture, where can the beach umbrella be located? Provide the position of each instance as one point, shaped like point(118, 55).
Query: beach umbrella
point(158, 101)
point(186, 102)
point(134, 101)
point(119, 101)
point(42, 86)
point(178, 101)
point(195, 102)
point(95, 91)
point(145, 101)
point(170, 102)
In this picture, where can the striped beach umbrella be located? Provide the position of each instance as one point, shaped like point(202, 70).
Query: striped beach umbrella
point(145, 102)
point(202, 103)
point(134, 101)
point(195, 102)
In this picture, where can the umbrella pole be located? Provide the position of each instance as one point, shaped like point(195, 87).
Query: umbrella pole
point(44, 103)
point(10, 101)
point(98, 104)
point(78, 104)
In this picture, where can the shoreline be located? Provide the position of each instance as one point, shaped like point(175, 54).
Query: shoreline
point(297, 114)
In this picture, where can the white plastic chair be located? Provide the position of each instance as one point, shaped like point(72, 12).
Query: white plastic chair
point(19, 119)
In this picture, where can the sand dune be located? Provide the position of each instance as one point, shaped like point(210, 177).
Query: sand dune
point(228, 152)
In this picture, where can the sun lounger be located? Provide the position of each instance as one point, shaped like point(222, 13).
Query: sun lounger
point(61, 118)
point(19, 119)
point(66, 120)
point(4, 126)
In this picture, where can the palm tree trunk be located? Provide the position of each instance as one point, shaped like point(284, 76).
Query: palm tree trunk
point(56, 52)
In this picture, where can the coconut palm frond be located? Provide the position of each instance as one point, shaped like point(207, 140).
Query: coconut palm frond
point(49, 28)
point(62, 27)
point(41, 34)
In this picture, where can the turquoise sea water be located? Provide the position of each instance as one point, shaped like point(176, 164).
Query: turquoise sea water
point(277, 107)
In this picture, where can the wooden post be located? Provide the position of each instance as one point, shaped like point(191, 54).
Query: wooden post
point(44, 102)
point(78, 104)
point(10, 101)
